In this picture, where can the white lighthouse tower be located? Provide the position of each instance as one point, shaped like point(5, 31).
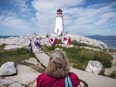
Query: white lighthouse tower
point(59, 23)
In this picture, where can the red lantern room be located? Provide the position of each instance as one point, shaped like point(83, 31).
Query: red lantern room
point(59, 12)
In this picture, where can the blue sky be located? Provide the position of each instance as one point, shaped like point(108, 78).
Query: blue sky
point(85, 17)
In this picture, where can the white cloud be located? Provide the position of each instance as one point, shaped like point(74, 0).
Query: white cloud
point(21, 4)
point(76, 17)
point(14, 23)
point(46, 11)
point(46, 5)
point(90, 19)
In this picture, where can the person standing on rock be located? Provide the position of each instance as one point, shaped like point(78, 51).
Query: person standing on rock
point(30, 47)
point(37, 45)
point(57, 73)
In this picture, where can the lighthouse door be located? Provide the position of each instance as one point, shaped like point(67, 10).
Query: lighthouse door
point(57, 31)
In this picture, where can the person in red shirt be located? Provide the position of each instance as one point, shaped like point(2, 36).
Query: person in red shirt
point(56, 72)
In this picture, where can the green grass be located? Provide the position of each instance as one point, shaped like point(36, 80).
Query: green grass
point(2, 47)
point(47, 48)
point(80, 56)
point(16, 56)
point(75, 43)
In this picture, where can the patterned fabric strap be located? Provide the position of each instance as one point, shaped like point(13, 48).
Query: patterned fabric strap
point(68, 82)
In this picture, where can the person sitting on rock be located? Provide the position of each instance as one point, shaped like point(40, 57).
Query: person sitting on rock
point(57, 73)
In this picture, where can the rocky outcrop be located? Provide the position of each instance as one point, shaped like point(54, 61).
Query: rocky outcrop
point(86, 40)
point(10, 40)
point(24, 40)
point(14, 42)
point(8, 69)
point(94, 67)
point(12, 47)
point(25, 76)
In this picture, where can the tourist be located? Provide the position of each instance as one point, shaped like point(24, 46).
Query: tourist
point(37, 45)
point(57, 72)
point(30, 47)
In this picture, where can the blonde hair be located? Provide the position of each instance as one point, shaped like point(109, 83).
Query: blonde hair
point(58, 65)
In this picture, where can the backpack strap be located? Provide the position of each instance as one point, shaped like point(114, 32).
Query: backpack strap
point(68, 82)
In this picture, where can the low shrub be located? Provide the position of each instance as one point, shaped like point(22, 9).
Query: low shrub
point(47, 48)
point(113, 75)
point(104, 58)
point(76, 43)
point(112, 50)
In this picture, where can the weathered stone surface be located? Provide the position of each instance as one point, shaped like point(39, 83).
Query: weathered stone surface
point(45, 42)
point(43, 58)
point(4, 82)
point(12, 47)
point(16, 85)
point(33, 84)
point(94, 67)
point(38, 67)
point(7, 68)
point(11, 40)
point(94, 80)
point(26, 75)
point(82, 84)
point(32, 61)
point(21, 41)
point(109, 71)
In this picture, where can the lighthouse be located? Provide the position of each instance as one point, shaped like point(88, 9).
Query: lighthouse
point(59, 22)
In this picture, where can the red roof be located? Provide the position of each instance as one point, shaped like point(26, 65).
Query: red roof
point(59, 10)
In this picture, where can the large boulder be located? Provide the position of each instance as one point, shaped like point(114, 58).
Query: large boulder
point(94, 67)
point(25, 76)
point(8, 68)
point(32, 61)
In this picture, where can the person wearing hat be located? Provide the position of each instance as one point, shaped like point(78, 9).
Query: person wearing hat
point(57, 73)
